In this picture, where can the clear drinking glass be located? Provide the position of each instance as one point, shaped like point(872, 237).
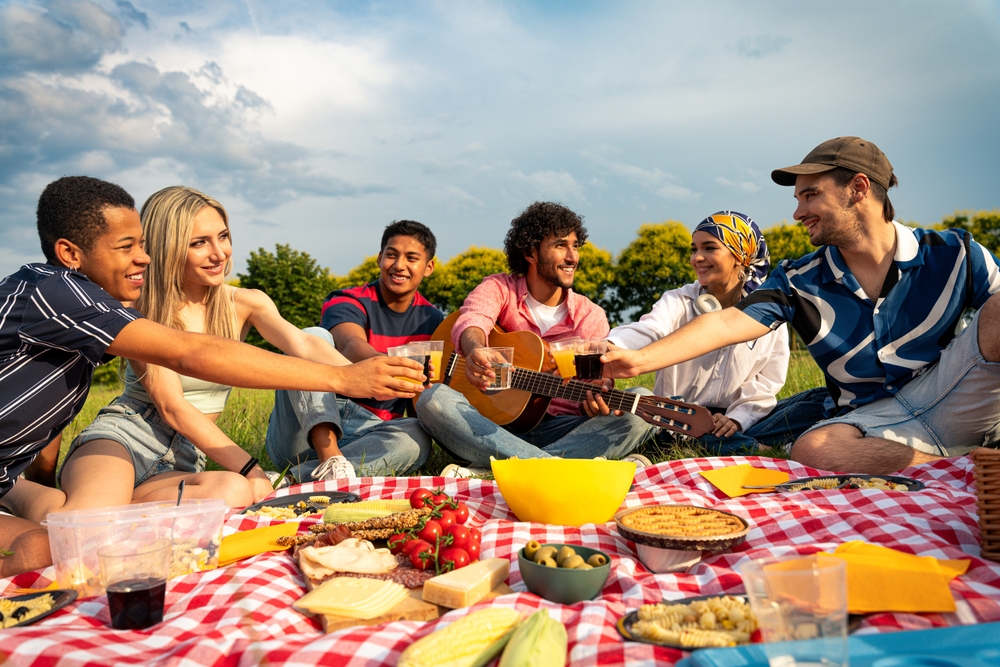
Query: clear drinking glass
point(416, 351)
point(502, 361)
point(563, 352)
point(134, 573)
point(801, 609)
point(588, 359)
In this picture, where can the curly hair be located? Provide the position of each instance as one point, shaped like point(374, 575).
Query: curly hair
point(72, 208)
point(535, 224)
point(417, 230)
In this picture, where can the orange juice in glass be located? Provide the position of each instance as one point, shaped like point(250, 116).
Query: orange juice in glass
point(563, 352)
point(435, 351)
point(415, 351)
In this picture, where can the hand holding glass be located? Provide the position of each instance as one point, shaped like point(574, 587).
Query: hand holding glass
point(415, 351)
point(502, 364)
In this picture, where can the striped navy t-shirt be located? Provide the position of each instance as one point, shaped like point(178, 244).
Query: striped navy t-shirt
point(870, 350)
point(384, 327)
point(55, 326)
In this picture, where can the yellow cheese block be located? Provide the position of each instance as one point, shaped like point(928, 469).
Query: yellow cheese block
point(468, 585)
point(353, 597)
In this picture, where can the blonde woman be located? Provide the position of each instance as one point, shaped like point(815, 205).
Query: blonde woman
point(162, 427)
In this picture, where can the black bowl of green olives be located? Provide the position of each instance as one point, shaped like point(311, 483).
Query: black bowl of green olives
point(563, 573)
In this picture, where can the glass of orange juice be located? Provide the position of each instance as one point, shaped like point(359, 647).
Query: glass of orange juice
point(563, 352)
point(435, 352)
point(415, 351)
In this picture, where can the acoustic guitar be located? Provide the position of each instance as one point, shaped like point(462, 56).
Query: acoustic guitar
point(533, 386)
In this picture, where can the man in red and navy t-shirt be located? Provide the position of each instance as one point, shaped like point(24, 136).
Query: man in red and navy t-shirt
point(326, 436)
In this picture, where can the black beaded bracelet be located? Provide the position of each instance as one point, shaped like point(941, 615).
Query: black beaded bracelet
point(249, 466)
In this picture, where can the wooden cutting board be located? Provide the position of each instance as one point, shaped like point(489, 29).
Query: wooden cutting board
point(413, 608)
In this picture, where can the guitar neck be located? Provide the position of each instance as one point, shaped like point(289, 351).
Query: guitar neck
point(553, 386)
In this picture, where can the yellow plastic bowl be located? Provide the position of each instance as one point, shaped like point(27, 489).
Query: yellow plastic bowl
point(568, 492)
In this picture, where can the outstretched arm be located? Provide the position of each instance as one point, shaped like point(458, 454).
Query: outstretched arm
point(226, 361)
point(699, 336)
point(263, 315)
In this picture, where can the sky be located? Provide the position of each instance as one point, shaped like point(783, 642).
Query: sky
point(316, 124)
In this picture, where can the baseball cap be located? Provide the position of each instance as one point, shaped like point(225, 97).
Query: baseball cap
point(852, 153)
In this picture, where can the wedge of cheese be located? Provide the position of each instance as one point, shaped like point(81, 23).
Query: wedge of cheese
point(353, 597)
point(468, 585)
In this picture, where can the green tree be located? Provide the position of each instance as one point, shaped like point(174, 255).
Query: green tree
point(786, 241)
point(656, 261)
point(362, 274)
point(595, 275)
point(984, 227)
point(295, 282)
point(451, 282)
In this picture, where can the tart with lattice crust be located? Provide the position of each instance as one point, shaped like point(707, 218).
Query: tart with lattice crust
point(682, 527)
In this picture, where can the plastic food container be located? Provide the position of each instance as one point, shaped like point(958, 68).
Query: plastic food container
point(194, 527)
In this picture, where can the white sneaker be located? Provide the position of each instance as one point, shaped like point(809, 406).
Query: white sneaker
point(335, 467)
point(455, 470)
point(639, 460)
point(273, 475)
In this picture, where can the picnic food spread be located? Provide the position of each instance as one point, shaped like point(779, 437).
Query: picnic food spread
point(362, 606)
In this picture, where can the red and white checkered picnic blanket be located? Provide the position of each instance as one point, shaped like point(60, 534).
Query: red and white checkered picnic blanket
point(242, 615)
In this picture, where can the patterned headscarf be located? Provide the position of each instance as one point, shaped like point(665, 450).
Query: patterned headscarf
point(743, 238)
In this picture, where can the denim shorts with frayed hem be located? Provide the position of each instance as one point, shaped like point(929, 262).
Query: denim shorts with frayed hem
point(155, 448)
point(949, 410)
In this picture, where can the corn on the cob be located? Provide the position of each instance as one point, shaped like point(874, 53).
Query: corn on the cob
point(538, 642)
point(366, 509)
point(473, 640)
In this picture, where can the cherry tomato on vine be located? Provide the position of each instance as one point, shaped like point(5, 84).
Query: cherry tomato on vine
point(475, 534)
point(430, 532)
point(418, 499)
point(417, 555)
point(447, 519)
point(438, 497)
point(397, 542)
point(460, 535)
point(473, 549)
point(461, 512)
point(455, 557)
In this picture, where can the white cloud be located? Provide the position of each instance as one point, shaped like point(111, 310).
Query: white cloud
point(553, 185)
point(742, 186)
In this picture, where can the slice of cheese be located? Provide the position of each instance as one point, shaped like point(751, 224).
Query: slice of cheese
point(468, 585)
point(353, 597)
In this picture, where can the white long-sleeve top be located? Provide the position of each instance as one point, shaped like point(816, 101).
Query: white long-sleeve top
point(742, 378)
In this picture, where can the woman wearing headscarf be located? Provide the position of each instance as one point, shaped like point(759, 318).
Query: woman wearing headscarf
point(738, 383)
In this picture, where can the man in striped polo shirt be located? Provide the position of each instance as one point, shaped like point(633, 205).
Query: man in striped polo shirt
point(880, 307)
point(326, 436)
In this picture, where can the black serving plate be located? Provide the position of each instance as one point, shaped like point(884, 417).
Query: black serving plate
point(60, 598)
point(911, 484)
point(284, 501)
point(625, 623)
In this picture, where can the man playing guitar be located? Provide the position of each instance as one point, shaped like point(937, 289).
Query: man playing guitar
point(542, 248)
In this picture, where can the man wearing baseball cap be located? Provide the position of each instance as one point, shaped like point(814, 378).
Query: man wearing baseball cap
point(880, 307)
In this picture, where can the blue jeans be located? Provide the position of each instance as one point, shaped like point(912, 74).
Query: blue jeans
point(459, 428)
point(375, 447)
point(789, 419)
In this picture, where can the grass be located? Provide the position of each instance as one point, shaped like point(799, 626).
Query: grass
point(245, 417)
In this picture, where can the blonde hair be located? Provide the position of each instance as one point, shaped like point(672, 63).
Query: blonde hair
point(167, 220)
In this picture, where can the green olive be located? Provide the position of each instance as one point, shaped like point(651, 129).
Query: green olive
point(543, 553)
point(597, 560)
point(547, 562)
point(531, 548)
point(563, 554)
point(572, 562)
point(584, 566)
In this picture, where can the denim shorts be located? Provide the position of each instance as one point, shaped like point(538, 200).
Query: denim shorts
point(155, 448)
point(949, 410)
